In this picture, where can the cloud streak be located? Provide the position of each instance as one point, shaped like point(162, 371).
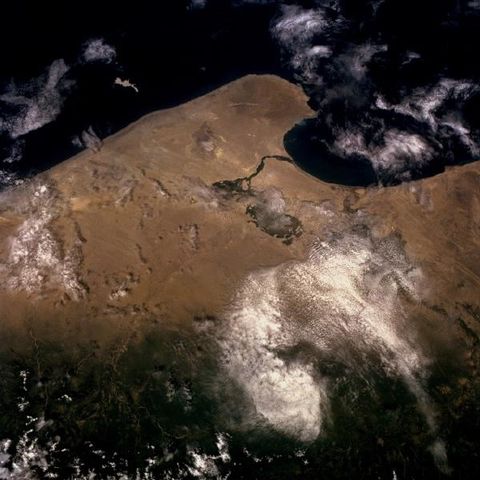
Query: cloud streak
point(377, 99)
point(30, 105)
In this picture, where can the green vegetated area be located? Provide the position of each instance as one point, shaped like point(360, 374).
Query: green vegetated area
point(145, 404)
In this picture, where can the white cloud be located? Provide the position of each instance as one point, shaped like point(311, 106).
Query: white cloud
point(32, 105)
point(198, 3)
point(396, 155)
point(97, 50)
point(424, 103)
point(88, 139)
point(8, 178)
point(15, 153)
point(296, 26)
point(125, 83)
point(287, 396)
point(205, 466)
point(36, 260)
point(344, 300)
point(295, 30)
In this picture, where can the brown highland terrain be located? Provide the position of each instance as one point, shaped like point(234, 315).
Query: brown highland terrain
point(149, 227)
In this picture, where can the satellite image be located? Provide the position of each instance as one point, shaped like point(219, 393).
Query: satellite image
point(240, 239)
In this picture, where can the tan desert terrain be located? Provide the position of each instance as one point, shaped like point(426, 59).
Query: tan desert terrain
point(137, 230)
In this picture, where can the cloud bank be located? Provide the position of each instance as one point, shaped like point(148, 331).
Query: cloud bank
point(343, 301)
